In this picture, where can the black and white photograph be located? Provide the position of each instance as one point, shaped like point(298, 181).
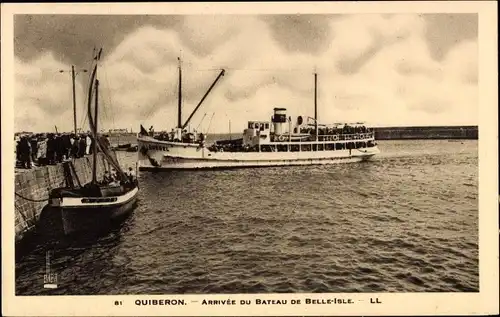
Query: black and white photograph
point(193, 160)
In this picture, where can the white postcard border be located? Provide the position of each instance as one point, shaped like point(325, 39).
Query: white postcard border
point(484, 302)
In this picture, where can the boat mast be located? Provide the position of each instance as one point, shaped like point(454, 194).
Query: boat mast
point(179, 105)
point(74, 97)
point(316, 103)
point(94, 144)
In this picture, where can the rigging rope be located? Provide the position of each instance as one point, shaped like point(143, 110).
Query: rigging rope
point(201, 121)
point(104, 109)
point(153, 109)
point(109, 98)
point(150, 111)
point(208, 129)
point(193, 67)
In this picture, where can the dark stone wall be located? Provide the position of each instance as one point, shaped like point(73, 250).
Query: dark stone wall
point(38, 182)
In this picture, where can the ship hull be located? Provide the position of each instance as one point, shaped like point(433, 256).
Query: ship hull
point(78, 217)
point(194, 164)
point(167, 156)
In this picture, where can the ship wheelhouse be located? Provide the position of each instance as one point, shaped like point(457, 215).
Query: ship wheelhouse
point(258, 132)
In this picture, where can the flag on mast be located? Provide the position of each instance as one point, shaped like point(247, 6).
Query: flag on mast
point(143, 131)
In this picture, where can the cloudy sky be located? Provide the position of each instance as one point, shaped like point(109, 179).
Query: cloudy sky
point(386, 70)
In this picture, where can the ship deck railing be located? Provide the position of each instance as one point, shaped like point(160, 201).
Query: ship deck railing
point(328, 138)
point(346, 137)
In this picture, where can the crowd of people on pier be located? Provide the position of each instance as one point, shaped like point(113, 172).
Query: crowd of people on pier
point(51, 148)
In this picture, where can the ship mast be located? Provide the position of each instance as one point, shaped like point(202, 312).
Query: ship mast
point(179, 105)
point(91, 123)
point(316, 103)
point(94, 144)
point(74, 98)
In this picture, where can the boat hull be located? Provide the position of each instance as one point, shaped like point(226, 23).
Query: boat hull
point(204, 159)
point(78, 217)
point(190, 164)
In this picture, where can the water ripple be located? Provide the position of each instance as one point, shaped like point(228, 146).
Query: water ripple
point(401, 223)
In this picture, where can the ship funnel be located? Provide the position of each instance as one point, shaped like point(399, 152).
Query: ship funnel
point(279, 120)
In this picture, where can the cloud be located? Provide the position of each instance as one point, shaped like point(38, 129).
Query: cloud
point(444, 31)
point(43, 95)
point(461, 63)
point(425, 93)
point(215, 31)
point(375, 68)
point(301, 33)
point(72, 37)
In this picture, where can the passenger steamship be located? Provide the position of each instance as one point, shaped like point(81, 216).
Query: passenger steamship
point(282, 141)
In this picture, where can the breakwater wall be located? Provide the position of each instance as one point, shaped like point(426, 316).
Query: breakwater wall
point(32, 188)
point(414, 133)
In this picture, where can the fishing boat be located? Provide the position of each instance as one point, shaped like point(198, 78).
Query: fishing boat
point(96, 203)
point(282, 141)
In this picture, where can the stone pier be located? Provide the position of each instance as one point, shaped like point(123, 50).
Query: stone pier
point(36, 183)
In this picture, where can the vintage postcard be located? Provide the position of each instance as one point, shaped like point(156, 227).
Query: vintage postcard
point(250, 159)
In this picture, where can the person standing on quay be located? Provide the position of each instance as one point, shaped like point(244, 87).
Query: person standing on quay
point(59, 148)
point(34, 148)
point(91, 149)
point(75, 147)
point(25, 149)
point(82, 146)
point(89, 143)
point(67, 145)
point(42, 150)
point(71, 141)
point(50, 149)
point(18, 151)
